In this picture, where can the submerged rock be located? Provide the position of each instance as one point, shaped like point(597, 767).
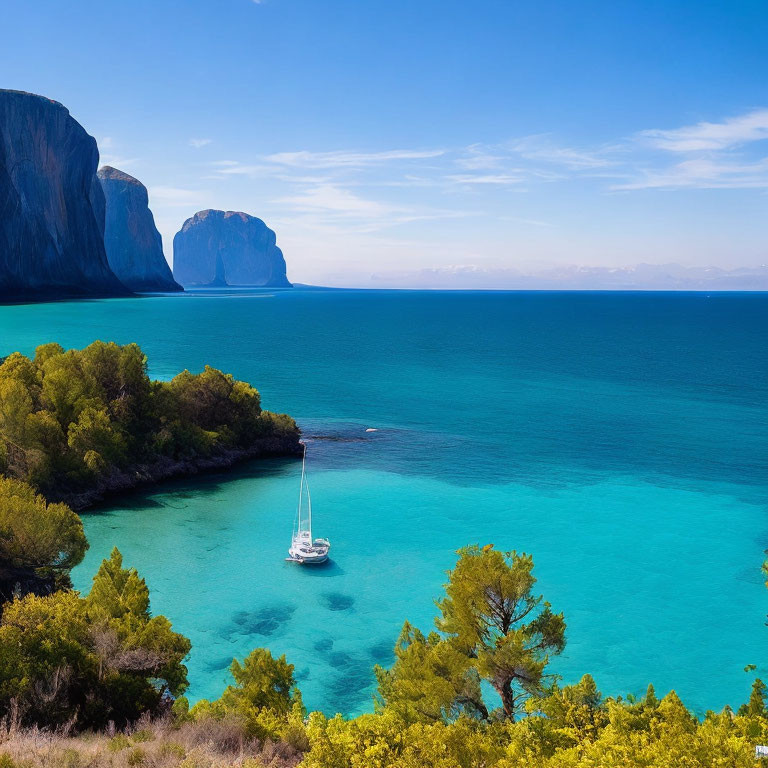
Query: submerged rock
point(133, 244)
point(51, 204)
point(227, 248)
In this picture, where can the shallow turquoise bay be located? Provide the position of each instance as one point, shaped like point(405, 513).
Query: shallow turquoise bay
point(621, 439)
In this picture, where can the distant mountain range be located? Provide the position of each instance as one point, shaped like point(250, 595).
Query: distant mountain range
point(660, 277)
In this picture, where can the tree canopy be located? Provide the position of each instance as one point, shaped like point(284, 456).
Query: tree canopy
point(69, 419)
point(39, 542)
point(492, 627)
point(264, 697)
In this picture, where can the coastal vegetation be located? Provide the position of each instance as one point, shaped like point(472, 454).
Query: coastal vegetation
point(89, 681)
point(78, 423)
point(84, 662)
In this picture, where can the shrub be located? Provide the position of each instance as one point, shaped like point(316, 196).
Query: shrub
point(39, 542)
point(67, 660)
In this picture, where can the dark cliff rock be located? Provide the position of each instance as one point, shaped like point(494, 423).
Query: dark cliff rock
point(227, 248)
point(51, 204)
point(133, 244)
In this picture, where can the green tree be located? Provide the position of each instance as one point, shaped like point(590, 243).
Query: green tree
point(264, 697)
point(491, 613)
point(431, 680)
point(46, 669)
point(15, 407)
point(218, 404)
point(573, 714)
point(492, 628)
point(262, 681)
point(129, 639)
point(86, 661)
point(756, 706)
point(39, 542)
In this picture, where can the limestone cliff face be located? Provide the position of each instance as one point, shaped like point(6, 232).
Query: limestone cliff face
point(51, 204)
point(227, 248)
point(133, 244)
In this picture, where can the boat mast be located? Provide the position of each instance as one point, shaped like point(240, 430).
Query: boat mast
point(297, 524)
point(304, 484)
point(309, 505)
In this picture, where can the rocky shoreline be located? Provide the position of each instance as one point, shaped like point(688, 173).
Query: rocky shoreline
point(141, 475)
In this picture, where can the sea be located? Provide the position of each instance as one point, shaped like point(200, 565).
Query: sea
point(619, 438)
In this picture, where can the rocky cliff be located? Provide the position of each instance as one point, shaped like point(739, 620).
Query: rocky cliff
point(51, 204)
point(227, 248)
point(133, 244)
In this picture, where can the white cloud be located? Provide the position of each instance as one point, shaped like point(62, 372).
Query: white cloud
point(233, 168)
point(703, 173)
point(721, 155)
point(109, 154)
point(176, 196)
point(540, 147)
point(329, 192)
point(334, 199)
point(331, 208)
point(117, 161)
point(197, 143)
point(732, 132)
point(348, 159)
point(498, 178)
point(480, 158)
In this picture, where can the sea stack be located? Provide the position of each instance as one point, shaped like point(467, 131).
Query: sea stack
point(227, 248)
point(133, 244)
point(51, 204)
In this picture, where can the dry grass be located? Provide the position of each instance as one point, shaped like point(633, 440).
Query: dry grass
point(205, 744)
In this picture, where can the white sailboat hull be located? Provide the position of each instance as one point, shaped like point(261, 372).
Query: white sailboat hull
point(304, 553)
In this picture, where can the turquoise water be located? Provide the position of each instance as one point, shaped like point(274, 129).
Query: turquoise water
point(622, 439)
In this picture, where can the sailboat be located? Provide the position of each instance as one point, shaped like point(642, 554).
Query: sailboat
point(304, 549)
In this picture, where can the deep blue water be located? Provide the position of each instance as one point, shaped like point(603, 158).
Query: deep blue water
point(620, 438)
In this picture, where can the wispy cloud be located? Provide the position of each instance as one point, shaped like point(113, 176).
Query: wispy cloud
point(232, 168)
point(478, 157)
point(368, 190)
point(540, 147)
point(118, 161)
point(731, 132)
point(177, 196)
point(334, 199)
point(702, 173)
point(707, 155)
point(498, 178)
point(348, 159)
point(109, 154)
point(327, 207)
point(197, 143)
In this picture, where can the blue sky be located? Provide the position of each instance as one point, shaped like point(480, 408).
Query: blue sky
point(386, 140)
